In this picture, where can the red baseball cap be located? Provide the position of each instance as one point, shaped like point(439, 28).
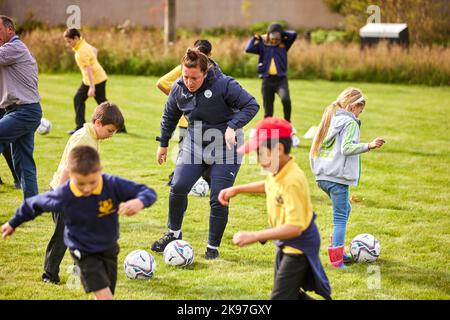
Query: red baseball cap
point(267, 129)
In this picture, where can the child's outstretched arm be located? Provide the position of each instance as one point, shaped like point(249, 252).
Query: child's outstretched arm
point(376, 143)
point(286, 231)
point(134, 196)
point(31, 208)
point(131, 207)
point(7, 230)
point(350, 145)
point(226, 194)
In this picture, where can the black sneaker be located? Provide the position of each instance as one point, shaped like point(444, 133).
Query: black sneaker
point(1, 182)
point(48, 279)
point(211, 254)
point(160, 245)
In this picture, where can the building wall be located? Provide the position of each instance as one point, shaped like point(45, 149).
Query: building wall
point(189, 13)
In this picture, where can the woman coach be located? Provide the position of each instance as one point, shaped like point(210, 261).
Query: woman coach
point(216, 108)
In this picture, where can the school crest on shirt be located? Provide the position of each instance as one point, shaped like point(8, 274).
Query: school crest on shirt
point(279, 200)
point(105, 207)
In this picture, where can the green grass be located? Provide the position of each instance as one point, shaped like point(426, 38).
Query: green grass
point(404, 190)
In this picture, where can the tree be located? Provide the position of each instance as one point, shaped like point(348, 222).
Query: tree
point(169, 22)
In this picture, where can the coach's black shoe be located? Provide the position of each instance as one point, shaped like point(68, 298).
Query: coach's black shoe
point(48, 279)
point(159, 245)
point(211, 254)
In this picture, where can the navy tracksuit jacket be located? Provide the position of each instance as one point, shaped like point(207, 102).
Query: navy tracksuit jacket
point(219, 103)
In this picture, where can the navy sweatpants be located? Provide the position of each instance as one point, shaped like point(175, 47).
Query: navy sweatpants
point(185, 176)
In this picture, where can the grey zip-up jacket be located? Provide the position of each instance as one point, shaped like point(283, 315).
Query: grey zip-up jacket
point(338, 159)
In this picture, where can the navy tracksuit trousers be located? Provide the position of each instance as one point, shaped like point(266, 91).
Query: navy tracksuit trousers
point(185, 176)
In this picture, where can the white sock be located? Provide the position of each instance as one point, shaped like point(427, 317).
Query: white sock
point(212, 247)
point(176, 234)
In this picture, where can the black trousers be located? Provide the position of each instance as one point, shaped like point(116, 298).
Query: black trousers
point(80, 101)
point(56, 248)
point(278, 85)
point(290, 277)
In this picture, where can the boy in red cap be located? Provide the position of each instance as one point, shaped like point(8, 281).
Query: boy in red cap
point(298, 267)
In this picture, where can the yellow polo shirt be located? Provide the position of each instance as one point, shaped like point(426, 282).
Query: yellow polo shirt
point(166, 82)
point(86, 55)
point(288, 199)
point(86, 136)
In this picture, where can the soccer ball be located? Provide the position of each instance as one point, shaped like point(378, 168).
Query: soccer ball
point(44, 127)
point(178, 253)
point(200, 188)
point(365, 248)
point(139, 264)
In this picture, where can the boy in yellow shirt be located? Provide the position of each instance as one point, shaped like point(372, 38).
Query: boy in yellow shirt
point(94, 76)
point(106, 120)
point(290, 214)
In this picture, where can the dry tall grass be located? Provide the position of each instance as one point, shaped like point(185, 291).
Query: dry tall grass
point(142, 52)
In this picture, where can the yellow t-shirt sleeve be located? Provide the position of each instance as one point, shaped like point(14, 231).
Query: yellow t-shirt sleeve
point(296, 206)
point(169, 78)
point(166, 82)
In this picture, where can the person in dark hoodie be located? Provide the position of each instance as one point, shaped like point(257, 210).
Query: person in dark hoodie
point(216, 108)
point(272, 66)
point(290, 214)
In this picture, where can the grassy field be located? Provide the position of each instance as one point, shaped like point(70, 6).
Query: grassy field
point(404, 193)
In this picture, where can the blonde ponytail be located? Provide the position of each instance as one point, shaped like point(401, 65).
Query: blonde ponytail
point(346, 99)
point(323, 129)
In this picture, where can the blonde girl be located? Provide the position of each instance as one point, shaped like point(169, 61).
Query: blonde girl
point(335, 162)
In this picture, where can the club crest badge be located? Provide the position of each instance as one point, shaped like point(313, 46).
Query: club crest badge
point(208, 94)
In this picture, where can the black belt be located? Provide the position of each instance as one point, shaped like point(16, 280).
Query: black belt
point(11, 107)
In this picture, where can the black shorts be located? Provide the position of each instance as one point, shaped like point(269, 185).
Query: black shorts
point(97, 270)
point(290, 277)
